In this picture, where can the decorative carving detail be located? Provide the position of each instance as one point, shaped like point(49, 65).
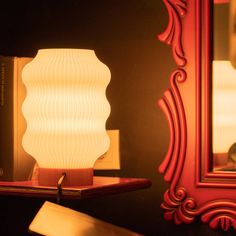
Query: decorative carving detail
point(175, 199)
point(173, 33)
point(220, 214)
point(176, 203)
point(173, 108)
point(181, 208)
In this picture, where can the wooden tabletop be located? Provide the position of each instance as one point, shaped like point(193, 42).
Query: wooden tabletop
point(101, 186)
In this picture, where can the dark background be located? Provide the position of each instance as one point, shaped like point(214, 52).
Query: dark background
point(123, 35)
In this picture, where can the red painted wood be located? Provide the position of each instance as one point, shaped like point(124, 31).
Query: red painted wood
point(195, 189)
point(101, 186)
point(172, 34)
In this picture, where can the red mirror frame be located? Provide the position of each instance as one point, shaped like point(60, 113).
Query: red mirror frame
point(195, 190)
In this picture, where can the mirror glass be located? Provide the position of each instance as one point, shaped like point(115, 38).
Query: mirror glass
point(224, 87)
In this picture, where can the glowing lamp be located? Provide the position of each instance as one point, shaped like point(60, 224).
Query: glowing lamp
point(224, 109)
point(66, 110)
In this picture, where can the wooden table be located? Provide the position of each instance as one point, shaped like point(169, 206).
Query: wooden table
point(101, 186)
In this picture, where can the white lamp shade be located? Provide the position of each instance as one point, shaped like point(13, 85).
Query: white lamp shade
point(224, 108)
point(66, 108)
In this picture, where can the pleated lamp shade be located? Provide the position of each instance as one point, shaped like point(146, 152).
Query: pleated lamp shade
point(66, 110)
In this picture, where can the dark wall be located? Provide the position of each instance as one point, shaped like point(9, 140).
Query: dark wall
point(123, 34)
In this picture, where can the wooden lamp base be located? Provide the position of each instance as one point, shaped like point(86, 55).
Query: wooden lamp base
point(74, 177)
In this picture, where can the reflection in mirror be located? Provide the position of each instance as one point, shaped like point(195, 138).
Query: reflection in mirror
point(224, 87)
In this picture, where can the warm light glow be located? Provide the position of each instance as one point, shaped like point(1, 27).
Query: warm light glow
point(224, 106)
point(66, 108)
point(221, 1)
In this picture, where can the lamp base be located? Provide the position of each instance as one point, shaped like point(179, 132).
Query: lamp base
point(74, 177)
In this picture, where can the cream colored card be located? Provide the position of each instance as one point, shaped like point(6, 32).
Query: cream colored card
point(55, 220)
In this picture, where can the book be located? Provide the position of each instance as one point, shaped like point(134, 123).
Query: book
point(15, 163)
point(53, 219)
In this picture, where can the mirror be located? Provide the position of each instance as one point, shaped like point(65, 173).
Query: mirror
point(224, 87)
point(195, 190)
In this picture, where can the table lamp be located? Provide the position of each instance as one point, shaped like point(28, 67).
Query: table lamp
point(66, 110)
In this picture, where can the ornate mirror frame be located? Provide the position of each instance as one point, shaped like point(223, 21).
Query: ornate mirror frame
point(195, 190)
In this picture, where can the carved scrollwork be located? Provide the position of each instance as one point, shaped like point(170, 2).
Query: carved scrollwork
point(176, 201)
point(173, 108)
point(219, 214)
point(173, 33)
point(180, 208)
